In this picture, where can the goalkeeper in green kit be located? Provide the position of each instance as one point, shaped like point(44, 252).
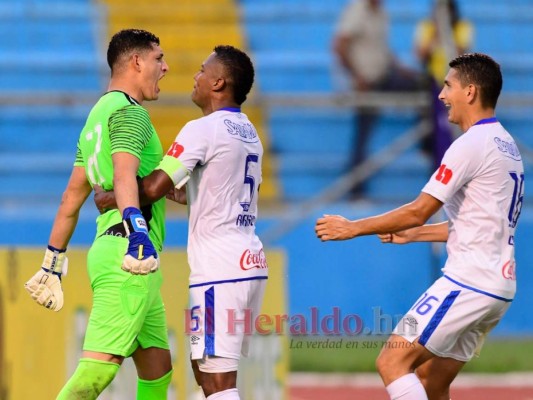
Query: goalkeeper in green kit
point(117, 146)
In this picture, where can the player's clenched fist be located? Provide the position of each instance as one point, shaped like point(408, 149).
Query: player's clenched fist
point(141, 257)
point(333, 227)
point(45, 286)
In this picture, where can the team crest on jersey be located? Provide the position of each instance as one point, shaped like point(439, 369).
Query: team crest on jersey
point(444, 174)
point(175, 150)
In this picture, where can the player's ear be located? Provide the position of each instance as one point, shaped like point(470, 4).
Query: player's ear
point(136, 61)
point(219, 84)
point(471, 92)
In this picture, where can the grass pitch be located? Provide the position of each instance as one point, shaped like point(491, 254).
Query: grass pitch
point(345, 354)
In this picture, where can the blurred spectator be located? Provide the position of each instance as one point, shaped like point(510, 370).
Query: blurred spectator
point(439, 38)
point(361, 46)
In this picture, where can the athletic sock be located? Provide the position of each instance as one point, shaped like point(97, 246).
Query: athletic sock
point(154, 390)
point(230, 394)
point(89, 380)
point(408, 387)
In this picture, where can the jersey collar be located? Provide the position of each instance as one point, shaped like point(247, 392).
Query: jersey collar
point(486, 121)
point(231, 109)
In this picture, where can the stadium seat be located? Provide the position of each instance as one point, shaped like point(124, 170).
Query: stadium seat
point(49, 52)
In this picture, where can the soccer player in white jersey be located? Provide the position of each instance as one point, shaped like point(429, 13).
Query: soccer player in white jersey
point(480, 183)
point(219, 158)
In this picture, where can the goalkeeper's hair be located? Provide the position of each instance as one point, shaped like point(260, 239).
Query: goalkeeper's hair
point(125, 41)
point(239, 68)
point(482, 71)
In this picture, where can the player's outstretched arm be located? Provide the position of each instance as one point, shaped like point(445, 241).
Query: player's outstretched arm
point(416, 213)
point(425, 233)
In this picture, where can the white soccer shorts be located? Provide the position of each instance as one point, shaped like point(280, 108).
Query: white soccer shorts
point(451, 320)
point(222, 318)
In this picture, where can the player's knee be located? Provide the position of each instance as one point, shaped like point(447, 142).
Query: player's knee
point(386, 360)
point(389, 366)
point(382, 364)
point(89, 380)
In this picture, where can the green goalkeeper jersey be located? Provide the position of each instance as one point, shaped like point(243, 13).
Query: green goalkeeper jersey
point(117, 123)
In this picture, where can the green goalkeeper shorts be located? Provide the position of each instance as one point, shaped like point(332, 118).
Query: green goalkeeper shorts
point(128, 310)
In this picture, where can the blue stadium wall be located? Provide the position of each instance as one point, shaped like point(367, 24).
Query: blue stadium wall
point(363, 277)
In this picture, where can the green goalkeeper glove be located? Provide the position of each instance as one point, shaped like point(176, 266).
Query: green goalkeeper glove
point(45, 286)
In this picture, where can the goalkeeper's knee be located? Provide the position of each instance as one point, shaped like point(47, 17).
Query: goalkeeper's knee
point(154, 390)
point(89, 380)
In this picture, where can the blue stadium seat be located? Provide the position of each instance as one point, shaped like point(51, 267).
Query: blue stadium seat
point(310, 131)
point(49, 49)
point(47, 129)
point(294, 72)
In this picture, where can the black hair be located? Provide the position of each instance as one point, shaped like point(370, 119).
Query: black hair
point(482, 71)
point(128, 40)
point(239, 68)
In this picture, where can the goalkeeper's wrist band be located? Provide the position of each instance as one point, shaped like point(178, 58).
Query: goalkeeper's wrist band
point(52, 248)
point(55, 260)
point(134, 221)
point(52, 272)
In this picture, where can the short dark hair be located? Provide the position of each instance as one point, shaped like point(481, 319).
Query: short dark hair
point(127, 40)
point(482, 71)
point(240, 69)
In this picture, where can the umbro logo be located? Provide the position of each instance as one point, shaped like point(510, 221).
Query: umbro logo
point(194, 339)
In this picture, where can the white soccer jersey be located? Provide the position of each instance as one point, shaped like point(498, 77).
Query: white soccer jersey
point(223, 152)
point(481, 183)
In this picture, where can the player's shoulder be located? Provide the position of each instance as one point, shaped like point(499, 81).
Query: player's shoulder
point(119, 98)
point(118, 103)
point(488, 132)
point(197, 124)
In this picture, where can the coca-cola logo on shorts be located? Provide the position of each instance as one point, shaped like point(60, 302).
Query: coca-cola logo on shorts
point(509, 271)
point(251, 260)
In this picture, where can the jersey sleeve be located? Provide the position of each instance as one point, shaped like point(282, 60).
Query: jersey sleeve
point(78, 162)
point(459, 165)
point(190, 148)
point(130, 129)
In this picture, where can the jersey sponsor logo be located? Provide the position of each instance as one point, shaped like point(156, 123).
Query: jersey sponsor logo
point(509, 270)
point(175, 150)
point(245, 132)
point(509, 149)
point(444, 174)
point(251, 260)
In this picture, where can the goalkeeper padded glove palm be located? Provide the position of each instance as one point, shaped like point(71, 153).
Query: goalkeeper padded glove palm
point(45, 286)
point(141, 257)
